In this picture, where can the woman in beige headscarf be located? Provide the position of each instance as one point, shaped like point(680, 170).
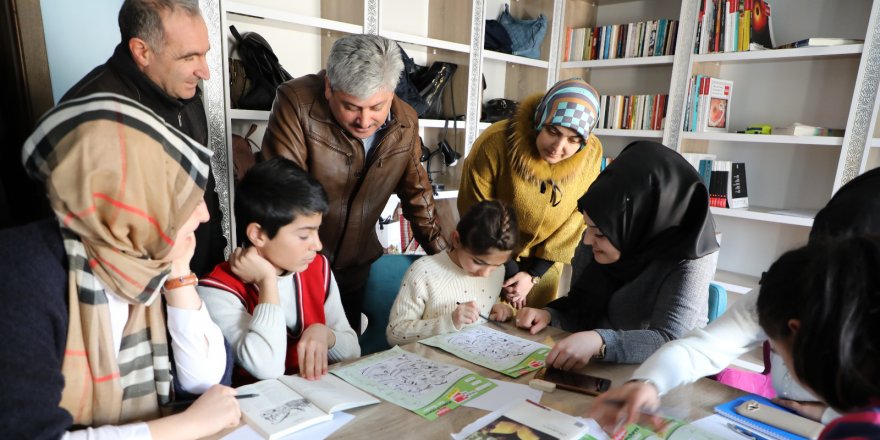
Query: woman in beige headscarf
point(90, 298)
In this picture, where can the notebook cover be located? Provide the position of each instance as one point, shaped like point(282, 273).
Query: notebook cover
point(727, 410)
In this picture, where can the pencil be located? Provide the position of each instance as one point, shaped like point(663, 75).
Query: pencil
point(188, 402)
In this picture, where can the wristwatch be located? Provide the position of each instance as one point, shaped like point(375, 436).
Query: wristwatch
point(536, 279)
point(177, 282)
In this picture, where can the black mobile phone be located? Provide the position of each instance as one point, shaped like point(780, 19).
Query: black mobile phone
point(577, 382)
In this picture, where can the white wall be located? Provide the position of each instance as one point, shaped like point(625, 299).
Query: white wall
point(79, 36)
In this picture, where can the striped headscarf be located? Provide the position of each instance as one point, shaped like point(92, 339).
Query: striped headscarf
point(571, 103)
point(121, 182)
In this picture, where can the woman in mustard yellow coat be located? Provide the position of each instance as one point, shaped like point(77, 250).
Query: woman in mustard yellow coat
point(540, 162)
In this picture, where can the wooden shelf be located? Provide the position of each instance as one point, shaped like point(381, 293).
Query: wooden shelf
point(619, 62)
point(237, 114)
point(291, 18)
point(763, 214)
point(807, 53)
point(658, 134)
point(831, 141)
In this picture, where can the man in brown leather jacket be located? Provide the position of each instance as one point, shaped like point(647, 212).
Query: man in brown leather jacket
point(346, 127)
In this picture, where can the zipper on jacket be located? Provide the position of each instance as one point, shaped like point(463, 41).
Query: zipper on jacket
point(359, 175)
point(179, 120)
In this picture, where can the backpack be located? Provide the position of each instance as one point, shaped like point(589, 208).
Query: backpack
point(264, 72)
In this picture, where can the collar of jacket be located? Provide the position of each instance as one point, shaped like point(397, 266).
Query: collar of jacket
point(525, 159)
point(322, 113)
point(122, 62)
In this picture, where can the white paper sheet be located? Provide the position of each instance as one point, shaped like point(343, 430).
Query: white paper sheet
point(316, 432)
point(503, 394)
point(717, 425)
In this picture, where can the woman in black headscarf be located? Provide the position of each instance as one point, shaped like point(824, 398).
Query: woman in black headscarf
point(649, 255)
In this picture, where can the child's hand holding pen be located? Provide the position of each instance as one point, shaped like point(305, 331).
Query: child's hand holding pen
point(465, 313)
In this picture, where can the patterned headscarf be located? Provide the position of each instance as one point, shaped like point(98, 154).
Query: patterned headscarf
point(570, 103)
point(121, 182)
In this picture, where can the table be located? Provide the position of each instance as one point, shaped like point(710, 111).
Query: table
point(389, 421)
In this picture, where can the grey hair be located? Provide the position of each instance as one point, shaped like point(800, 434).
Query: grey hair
point(143, 19)
point(361, 65)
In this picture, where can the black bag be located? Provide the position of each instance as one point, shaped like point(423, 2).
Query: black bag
point(497, 38)
point(422, 87)
point(263, 71)
point(499, 109)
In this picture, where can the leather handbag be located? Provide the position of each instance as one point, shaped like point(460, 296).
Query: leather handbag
point(499, 109)
point(262, 69)
point(526, 36)
point(422, 87)
point(244, 153)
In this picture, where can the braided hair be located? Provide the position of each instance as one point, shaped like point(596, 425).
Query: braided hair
point(489, 225)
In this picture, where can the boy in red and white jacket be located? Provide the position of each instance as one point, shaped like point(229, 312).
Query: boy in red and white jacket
point(276, 300)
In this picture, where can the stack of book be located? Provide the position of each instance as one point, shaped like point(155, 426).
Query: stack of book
point(708, 104)
point(636, 112)
point(725, 180)
point(733, 26)
point(644, 39)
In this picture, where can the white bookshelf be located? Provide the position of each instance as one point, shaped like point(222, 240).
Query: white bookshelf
point(831, 141)
point(764, 214)
point(789, 178)
point(290, 18)
point(613, 132)
point(619, 62)
point(249, 115)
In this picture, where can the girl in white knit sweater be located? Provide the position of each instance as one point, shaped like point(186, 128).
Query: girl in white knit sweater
point(445, 292)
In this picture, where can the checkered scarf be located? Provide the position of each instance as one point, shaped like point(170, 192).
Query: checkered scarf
point(570, 103)
point(121, 182)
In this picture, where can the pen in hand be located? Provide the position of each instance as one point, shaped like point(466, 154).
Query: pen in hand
point(188, 402)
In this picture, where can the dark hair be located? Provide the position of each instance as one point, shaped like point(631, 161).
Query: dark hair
point(489, 224)
point(143, 19)
point(833, 289)
point(273, 194)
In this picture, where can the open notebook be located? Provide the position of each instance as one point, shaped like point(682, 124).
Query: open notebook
point(291, 403)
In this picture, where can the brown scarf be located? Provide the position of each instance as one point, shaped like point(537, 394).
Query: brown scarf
point(121, 182)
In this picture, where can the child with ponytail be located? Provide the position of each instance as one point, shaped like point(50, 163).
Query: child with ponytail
point(445, 292)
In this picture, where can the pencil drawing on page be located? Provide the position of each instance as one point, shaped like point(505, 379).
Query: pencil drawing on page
point(409, 374)
point(495, 346)
point(278, 414)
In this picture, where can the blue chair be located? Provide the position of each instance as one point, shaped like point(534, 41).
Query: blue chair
point(379, 295)
point(717, 301)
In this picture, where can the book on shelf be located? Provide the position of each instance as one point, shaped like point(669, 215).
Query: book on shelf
point(761, 26)
point(820, 42)
point(791, 427)
point(291, 403)
point(737, 190)
point(708, 104)
point(717, 106)
point(529, 420)
point(718, 183)
point(733, 25)
point(625, 40)
point(798, 129)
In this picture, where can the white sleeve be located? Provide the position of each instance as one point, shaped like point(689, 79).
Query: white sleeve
point(259, 342)
point(347, 346)
point(197, 344)
point(707, 350)
point(134, 431)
